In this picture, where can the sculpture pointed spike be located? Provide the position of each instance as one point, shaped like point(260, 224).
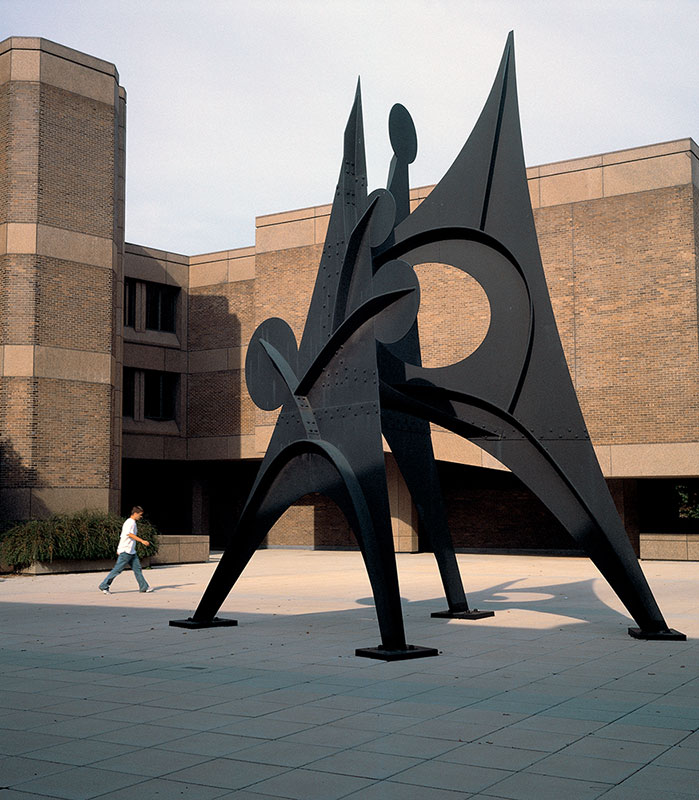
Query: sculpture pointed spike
point(462, 195)
point(348, 206)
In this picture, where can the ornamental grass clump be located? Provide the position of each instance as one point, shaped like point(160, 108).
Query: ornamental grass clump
point(85, 535)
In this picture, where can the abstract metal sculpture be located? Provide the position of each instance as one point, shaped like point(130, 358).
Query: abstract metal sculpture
point(357, 374)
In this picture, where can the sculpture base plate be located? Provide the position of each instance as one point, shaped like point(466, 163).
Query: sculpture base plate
point(216, 622)
point(670, 634)
point(473, 613)
point(410, 651)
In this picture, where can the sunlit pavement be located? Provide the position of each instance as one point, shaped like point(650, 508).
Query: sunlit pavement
point(550, 698)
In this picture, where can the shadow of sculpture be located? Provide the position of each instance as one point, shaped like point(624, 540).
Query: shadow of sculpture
point(357, 374)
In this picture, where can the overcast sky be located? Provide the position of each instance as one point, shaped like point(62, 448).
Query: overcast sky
point(236, 108)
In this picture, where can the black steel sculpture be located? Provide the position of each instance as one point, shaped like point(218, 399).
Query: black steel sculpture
point(357, 373)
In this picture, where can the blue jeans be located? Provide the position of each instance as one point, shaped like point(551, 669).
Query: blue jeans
point(125, 560)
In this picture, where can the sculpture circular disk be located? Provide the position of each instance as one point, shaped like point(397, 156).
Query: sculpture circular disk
point(401, 132)
point(266, 386)
point(394, 322)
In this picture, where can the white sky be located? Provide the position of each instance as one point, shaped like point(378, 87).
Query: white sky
point(236, 108)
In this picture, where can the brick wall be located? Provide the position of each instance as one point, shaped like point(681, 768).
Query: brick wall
point(634, 352)
point(18, 282)
point(221, 315)
point(218, 406)
point(72, 434)
point(314, 521)
point(17, 446)
point(19, 103)
point(62, 321)
point(76, 162)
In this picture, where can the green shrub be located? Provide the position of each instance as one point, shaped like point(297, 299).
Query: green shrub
point(85, 535)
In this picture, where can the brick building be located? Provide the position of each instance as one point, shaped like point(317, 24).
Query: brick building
point(121, 366)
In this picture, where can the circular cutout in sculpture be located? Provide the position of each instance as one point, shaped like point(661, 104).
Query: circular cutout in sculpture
point(454, 308)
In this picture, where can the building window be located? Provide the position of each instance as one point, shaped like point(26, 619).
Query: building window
point(150, 306)
point(129, 303)
point(159, 395)
point(129, 392)
point(668, 505)
point(149, 394)
point(161, 306)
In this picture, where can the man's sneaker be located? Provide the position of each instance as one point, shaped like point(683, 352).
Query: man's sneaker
point(104, 591)
point(149, 589)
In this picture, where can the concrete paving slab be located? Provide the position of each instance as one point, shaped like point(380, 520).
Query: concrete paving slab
point(583, 768)
point(482, 754)
point(79, 783)
point(306, 784)
point(455, 777)
point(527, 786)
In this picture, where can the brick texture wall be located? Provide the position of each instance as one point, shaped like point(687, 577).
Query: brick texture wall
point(18, 283)
point(19, 145)
point(60, 323)
point(218, 406)
point(221, 315)
point(623, 285)
point(76, 163)
point(315, 521)
point(284, 284)
point(17, 422)
point(72, 434)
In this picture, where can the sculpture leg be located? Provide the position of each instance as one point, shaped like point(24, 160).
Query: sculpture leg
point(411, 446)
point(275, 490)
point(587, 511)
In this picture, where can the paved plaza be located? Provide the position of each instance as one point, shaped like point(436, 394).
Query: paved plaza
point(548, 699)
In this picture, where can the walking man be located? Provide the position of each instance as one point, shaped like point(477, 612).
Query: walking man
point(126, 553)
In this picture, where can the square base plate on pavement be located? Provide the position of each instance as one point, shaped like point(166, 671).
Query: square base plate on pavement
point(411, 651)
point(216, 622)
point(670, 635)
point(474, 613)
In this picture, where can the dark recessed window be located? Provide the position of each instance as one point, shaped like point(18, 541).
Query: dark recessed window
point(159, 395)
point(668, 505)
point(161, 307)
point(128, 393)
point(129, 302)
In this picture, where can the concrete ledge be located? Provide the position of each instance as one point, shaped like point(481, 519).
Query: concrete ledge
point(670, 546)
point(181, 549)
point(173, 549)
point(60, 566)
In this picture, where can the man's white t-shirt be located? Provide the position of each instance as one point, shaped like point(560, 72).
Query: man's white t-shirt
point(126, 544)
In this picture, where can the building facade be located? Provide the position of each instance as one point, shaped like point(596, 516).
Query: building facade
point(122, 371)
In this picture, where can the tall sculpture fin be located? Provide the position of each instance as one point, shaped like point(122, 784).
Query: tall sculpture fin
point(516, 387)
point(348, 206)
point(462, 196)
